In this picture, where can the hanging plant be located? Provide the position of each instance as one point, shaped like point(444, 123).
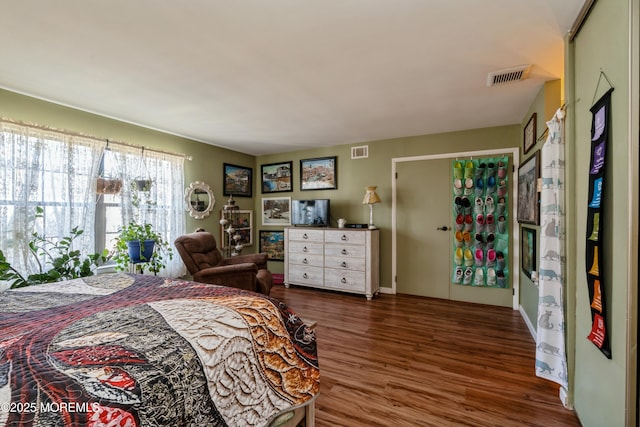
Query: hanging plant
point(108, 185)
point(143, 184)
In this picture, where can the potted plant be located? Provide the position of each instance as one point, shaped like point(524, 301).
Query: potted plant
point(56, 258)
point(141, 245)
point(140, 184)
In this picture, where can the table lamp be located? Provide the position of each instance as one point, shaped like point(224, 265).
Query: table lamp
point(371, 198)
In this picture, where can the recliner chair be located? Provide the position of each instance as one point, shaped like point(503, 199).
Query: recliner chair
point(205, 263)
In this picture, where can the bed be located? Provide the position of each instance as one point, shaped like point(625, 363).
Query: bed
point(134, 350)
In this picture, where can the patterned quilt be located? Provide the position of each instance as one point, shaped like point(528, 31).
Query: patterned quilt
point(138, 350)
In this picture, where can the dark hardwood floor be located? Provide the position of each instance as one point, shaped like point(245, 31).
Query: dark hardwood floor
point(401, 360)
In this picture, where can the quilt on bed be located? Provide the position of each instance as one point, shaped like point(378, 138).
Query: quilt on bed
point(134, 350)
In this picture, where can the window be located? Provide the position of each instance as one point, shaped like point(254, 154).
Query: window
point(58, 171)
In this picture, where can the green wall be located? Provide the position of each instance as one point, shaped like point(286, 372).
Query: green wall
point(544, 106)
point(597, 385)
point(602, 44)
point(206, 163)
point(355, 175)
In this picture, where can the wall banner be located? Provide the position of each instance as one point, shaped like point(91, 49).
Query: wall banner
point(599, 334)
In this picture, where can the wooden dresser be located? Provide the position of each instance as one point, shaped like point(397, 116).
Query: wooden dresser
point(333, 258)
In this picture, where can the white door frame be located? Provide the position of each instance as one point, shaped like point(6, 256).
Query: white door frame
point(515, 253)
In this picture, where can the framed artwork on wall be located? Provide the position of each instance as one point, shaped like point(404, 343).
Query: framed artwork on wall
point(528, 201)
point(319, 173)
point(276, 211)
point(277, 177)
point(272, 243)
point(528, 251)
point(242, 224)
point(237, 180)
point(530, 133)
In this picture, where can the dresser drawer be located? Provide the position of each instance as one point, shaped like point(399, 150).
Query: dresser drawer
point(339, 259)
point(313, 276)
point(306, 235)
point(306, 259)
point(342, 236)
point(305, 248)
point(344, 263)
point(339, 250)
point(347, 280)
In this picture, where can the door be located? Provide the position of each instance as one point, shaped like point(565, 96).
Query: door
point(424, 251)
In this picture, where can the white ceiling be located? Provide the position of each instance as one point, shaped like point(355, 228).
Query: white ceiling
point(269, 76)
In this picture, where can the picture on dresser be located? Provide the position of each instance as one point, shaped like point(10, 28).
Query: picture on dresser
point(276, 211)
point(272, 243)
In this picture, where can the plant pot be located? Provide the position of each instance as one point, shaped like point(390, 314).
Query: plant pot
point(143, 184)
point(108, 185)
point(138, 254)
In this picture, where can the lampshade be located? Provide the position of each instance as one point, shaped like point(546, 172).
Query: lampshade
point(371, 197)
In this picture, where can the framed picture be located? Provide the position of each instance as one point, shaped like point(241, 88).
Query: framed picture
point(277, 177)
point(272, 243)
point(528, 206)
point(530, 134)
point(319, 174)
point(528, 251)
point(237, 180)
point(276, 211)
point(243, 225)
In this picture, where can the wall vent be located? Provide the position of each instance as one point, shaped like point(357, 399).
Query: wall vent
point(508, 75)
point(361, 152)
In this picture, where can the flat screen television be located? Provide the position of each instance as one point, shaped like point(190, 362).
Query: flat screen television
point(311, 212)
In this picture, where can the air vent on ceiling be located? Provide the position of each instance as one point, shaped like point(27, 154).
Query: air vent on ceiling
point(361, 152)
point(508, 75)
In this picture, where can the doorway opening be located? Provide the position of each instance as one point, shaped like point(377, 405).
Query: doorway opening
point(398, 163)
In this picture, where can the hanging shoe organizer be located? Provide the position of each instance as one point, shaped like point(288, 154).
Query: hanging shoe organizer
point(480, 212)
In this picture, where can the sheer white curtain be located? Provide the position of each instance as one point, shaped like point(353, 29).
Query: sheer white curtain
point(51, 169)
point(162, 206)
point(551, 358)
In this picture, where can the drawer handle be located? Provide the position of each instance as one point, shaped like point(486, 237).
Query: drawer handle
point(344, 264)
point(305, 276)
point(344, 280)
point(305, 249)
point(305, 261)
point(344, 252)
point(304, 236)
point(344, 237)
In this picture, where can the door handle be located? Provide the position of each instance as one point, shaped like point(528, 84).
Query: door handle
point(443, 228)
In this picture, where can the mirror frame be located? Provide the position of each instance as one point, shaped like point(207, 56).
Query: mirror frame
point(190, 190)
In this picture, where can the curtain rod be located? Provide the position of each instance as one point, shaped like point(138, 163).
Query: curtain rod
point(143, 149)
point(107, 140)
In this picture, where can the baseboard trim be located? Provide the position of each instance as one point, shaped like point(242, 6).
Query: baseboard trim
point(532, 330)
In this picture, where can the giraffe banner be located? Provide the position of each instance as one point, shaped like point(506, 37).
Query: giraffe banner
point(599, 334)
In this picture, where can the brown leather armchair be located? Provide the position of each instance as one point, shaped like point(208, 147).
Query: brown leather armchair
point(205, 263)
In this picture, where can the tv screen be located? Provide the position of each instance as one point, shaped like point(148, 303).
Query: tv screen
point(314, 212)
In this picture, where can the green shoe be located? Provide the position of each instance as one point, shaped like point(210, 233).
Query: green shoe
point(457, 170)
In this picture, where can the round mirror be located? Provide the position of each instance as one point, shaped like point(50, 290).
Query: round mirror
point(199, 200)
